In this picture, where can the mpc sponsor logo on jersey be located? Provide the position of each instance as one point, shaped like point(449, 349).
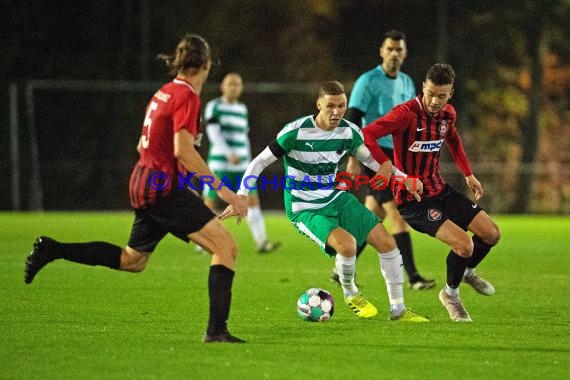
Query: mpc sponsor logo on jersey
point(426, 146)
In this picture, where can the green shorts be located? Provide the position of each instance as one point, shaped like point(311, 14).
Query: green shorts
point(230, 179)
point(345, 211)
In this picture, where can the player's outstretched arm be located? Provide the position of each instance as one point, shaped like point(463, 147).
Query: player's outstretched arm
point(385, 171)
point(188, 156)
point(412, 184)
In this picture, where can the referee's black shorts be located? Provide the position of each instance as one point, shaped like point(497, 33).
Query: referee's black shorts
point(384, 195)
point(181, 213)
point(429, 214)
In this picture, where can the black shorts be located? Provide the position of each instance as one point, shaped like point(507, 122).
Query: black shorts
point(386, 194)
point(180, 213)
point(429, 214)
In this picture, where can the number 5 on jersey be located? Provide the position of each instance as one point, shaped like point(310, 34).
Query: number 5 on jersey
point(145, 138)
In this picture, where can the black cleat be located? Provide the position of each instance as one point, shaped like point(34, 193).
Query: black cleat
point(335, 279)
point(224, 337)
point(420, 283)
point(41, 255)
point(268, 247)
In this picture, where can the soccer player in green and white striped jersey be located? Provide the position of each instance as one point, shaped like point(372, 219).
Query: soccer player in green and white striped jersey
point(311, 148)
point(227, 127)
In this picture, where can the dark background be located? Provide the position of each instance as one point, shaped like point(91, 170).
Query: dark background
point(511, 58)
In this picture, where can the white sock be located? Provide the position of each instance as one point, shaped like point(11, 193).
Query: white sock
point(391, 265)
point(451, 291)
point(256, 225)
point(469, 272)
point(346, 267)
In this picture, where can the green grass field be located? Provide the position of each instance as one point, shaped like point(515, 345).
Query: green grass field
point(84, 322)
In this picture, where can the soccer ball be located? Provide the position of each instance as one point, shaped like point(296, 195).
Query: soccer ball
point(315, 305)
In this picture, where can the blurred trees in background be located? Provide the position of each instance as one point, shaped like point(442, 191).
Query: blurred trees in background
point(512, 59)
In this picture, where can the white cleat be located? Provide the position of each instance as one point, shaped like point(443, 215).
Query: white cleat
point(454, 307)
point(479, 284)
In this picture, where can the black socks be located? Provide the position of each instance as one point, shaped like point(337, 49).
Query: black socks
point(93, 253)
point(480, 250)
point(456, 264)
point(220, 281)
point(455, 269)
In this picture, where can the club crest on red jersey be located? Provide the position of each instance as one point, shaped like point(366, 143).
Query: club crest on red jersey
point(443, 127)
point(434, 214)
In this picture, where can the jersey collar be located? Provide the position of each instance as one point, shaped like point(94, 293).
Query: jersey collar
point(386, 74)
point(420, 102)
point(185, 83)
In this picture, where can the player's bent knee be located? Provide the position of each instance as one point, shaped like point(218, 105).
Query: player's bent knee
point(399, 225)
point(346, 247)
point(225, 246)
point(217, 240)
point(464, 248)
point(342, 242)
point(230, 248)
point(346, 250)
point(493, 236)
point(381, 240)
point(387, 245)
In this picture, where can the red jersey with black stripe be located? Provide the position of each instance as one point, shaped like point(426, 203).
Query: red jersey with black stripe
point(175, 106)
point(418, 139)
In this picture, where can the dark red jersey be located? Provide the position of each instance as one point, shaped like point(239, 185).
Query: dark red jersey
point(174, 107)
point(418, 138)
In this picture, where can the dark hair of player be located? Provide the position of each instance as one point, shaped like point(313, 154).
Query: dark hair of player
point(192, 52)
point(395, 35)
point(441, 74)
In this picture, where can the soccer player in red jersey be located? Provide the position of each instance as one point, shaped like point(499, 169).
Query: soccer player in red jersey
point(162, 203)
point(420, 127)
point(374, 94)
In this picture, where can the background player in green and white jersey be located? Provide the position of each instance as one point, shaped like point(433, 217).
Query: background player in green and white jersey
point(319, 207)
point(227, 127)
point(374, 94)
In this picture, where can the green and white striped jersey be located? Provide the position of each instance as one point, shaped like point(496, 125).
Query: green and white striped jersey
point(227, 127)
point(311, 161)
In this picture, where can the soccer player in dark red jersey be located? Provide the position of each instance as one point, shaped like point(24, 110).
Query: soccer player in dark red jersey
point(162, 203)
point(420, 127)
